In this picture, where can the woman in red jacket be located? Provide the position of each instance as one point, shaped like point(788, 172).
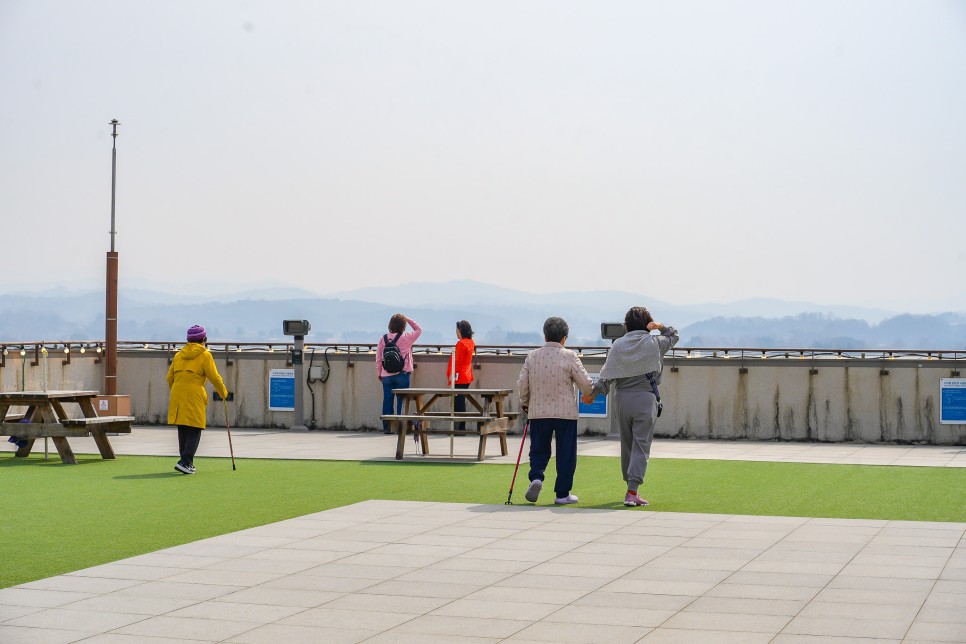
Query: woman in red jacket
point(462, 375)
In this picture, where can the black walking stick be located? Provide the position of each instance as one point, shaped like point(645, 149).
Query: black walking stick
point(519, 454)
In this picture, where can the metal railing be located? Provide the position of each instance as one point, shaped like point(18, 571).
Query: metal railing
point(67, 348)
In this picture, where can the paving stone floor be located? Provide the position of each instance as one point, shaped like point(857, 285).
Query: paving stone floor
point(383, 571)
point(365, 446)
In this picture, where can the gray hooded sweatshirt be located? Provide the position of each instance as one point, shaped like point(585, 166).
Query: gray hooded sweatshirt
point(634, 355)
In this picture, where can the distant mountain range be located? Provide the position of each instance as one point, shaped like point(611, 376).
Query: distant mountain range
point(499, 315)
point(610, 303)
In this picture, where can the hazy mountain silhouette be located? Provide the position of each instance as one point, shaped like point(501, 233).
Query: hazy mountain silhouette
point(499, 315)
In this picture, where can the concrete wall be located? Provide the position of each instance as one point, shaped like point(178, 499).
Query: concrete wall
point(820, 400)
point(790, 402)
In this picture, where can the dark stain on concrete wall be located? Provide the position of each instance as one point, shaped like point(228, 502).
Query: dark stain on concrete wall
point(849, 414)
point(886, 431)
point(740, 420)
point(778, 412)
point(900, 425)
point(811, 414)
point(710, 419)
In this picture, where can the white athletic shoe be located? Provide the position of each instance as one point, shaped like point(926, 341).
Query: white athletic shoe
point(533, 492)
point(567, 500)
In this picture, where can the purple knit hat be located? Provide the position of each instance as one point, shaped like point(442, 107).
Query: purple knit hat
point(196, 333)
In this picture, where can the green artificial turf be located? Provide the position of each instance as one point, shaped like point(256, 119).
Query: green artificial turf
point(57, 518)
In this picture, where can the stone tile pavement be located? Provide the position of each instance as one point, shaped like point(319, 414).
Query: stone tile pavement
point(267, 443)
point(383, 571)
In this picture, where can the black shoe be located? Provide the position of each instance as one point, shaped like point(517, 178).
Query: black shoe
point(184, 469)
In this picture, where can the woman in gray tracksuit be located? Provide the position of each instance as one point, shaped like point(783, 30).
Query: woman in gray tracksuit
point(633, 366)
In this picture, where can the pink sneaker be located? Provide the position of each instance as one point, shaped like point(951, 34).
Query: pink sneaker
point(567, 500)
point(634, 500)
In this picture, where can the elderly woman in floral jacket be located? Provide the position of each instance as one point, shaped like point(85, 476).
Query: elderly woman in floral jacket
point(547, 395)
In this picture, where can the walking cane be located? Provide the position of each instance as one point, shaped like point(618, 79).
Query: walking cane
point(228, 427)
point(519, 454)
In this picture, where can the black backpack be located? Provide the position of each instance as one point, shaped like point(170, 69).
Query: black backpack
point(392, 358)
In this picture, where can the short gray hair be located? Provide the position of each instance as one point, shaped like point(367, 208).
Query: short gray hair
point(555, 329)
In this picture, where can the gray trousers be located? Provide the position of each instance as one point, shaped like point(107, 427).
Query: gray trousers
point(636, 413)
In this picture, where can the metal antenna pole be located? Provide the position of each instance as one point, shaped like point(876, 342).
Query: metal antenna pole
point(114, 123)
point(110, 314)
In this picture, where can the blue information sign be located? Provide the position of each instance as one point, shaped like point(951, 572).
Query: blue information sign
point(596, 409)
point(281, 390)
point(952, 401)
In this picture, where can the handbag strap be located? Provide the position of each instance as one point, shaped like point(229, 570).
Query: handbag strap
point(651, 379)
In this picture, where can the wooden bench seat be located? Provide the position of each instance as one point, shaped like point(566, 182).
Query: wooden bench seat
point(73, 427)
point(42, 430)
point(512, 415)
point(113, 424)
point(440, 417)
point(98, 427)
point(422, 425)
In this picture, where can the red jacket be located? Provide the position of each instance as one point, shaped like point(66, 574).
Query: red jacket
point(464, 362)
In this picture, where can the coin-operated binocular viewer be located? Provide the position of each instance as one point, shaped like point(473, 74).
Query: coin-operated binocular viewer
point(612, 331)
point(299, 329)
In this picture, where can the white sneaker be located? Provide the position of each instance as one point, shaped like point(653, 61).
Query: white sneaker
point(567, 500)
point(533, 492)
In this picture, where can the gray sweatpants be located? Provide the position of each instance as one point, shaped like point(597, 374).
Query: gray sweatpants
point(636, 413)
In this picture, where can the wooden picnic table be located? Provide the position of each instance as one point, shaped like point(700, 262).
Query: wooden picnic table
point(490, 416)
point(47, 417)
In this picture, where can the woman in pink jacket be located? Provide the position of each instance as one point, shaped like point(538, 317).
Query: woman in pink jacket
point(396, 379)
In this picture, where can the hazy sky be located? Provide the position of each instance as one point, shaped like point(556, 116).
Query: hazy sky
point(690, 151)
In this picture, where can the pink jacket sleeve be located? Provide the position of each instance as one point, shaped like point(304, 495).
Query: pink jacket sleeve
point(406, 343)
point(379, 350)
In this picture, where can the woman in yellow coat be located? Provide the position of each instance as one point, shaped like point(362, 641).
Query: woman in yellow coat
point(187, 409)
